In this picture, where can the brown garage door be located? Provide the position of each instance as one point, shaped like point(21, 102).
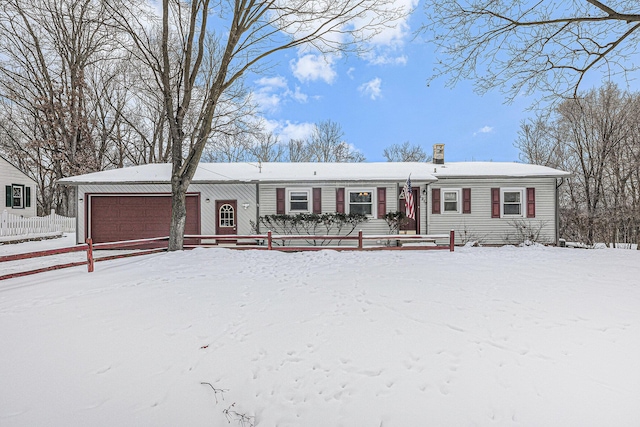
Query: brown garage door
point(117, 218)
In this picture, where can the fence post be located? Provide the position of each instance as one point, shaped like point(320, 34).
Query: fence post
point(269, 241)
point(360, 239)
point(3, 227)
point(452, 240)
point(90, 255)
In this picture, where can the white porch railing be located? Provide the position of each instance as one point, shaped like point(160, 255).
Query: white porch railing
point(14, 225)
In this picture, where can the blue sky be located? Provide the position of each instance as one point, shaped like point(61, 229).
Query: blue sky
point(384, 99)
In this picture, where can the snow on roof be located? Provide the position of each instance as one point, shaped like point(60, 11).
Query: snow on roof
point(265, 172)
point(306, 172)
point(493, 169)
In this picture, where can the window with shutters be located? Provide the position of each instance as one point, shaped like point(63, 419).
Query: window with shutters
point(512, 200)
point(17, 196)
point(298, 200)
point(450, 200)
point(360, 201)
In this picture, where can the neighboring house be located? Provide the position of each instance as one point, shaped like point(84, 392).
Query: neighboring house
point(20, 190)
point(482, 201)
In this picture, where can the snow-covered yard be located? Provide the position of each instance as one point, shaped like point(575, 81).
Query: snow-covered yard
point(482, 336)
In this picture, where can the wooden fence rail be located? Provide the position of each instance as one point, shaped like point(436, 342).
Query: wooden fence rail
point(360, 238)
point(15, 225)
point(159, 244)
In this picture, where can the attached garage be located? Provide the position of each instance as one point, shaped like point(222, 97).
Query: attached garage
point(119, 217)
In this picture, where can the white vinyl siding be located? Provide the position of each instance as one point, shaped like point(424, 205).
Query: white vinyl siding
point(479, 225)
point(373, 226)
point(12, 177)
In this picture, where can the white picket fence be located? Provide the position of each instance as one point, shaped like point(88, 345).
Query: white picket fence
point(14, 225)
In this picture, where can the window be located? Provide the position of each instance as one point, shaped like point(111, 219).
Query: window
point(226, 216)
point(361, 202)
point(18, 196)
point(298, 200)
point(451, 200)
point(512, 199)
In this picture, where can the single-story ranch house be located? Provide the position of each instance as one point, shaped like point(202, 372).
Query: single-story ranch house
point(481, 201)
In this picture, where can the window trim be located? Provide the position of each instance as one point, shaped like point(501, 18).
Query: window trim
point(458, 191)
point(290, 190)
point(22, 196)
point(374, 199)
point(522, 203)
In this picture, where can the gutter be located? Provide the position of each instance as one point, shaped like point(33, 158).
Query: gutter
point(558, 185)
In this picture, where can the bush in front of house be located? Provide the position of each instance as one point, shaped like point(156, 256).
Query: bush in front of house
point(313, 224)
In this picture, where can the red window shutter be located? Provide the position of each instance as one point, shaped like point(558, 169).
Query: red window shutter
point(531, 202)
point(340, 200)
point(495, 203)
point(435, 200)
point(317, 200)
point(466, 200)
point(280, 201)
point(382, 201)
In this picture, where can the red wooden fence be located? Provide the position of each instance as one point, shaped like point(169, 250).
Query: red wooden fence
point(90, 247)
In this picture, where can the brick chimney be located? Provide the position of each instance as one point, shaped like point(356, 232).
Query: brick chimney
point(438, 154)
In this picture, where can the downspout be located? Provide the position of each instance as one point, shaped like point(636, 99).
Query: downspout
point(85, 212)
point(257, 207)
point(558, 185)
point(426, 208)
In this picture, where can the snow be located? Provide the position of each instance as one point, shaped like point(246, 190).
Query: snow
point(525, 336)
point(315, 172)
point(494, 169)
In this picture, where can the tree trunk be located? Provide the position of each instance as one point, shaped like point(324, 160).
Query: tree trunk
point(178, 214)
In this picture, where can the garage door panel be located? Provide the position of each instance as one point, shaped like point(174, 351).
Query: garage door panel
point(117, 218)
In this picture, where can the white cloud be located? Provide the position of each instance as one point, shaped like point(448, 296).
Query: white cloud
point(384, 59)
point(275, 82)
point(298, 95)
point(395, 33)
point(271, 92)
point(287, 130)
point(311, 67)
point(484, 129)
point(386, 42)
point(372, 88)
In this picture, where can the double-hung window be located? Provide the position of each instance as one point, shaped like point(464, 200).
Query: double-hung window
point(512, 202)
point(18, 196)
point(451, 200)
point(298, 200)
point(361, 201)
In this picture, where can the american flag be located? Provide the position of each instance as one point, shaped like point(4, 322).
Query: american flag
point(408, 199)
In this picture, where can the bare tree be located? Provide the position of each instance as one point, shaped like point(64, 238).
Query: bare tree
point(596, 137)
point(48, 50)
point(405, 152)
point(326, 144)
point(298, 151)
point(267, 148)
point(179, 51)
point(524, 47)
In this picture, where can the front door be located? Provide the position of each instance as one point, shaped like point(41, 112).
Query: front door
point(411, 226)
point(226, 220)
